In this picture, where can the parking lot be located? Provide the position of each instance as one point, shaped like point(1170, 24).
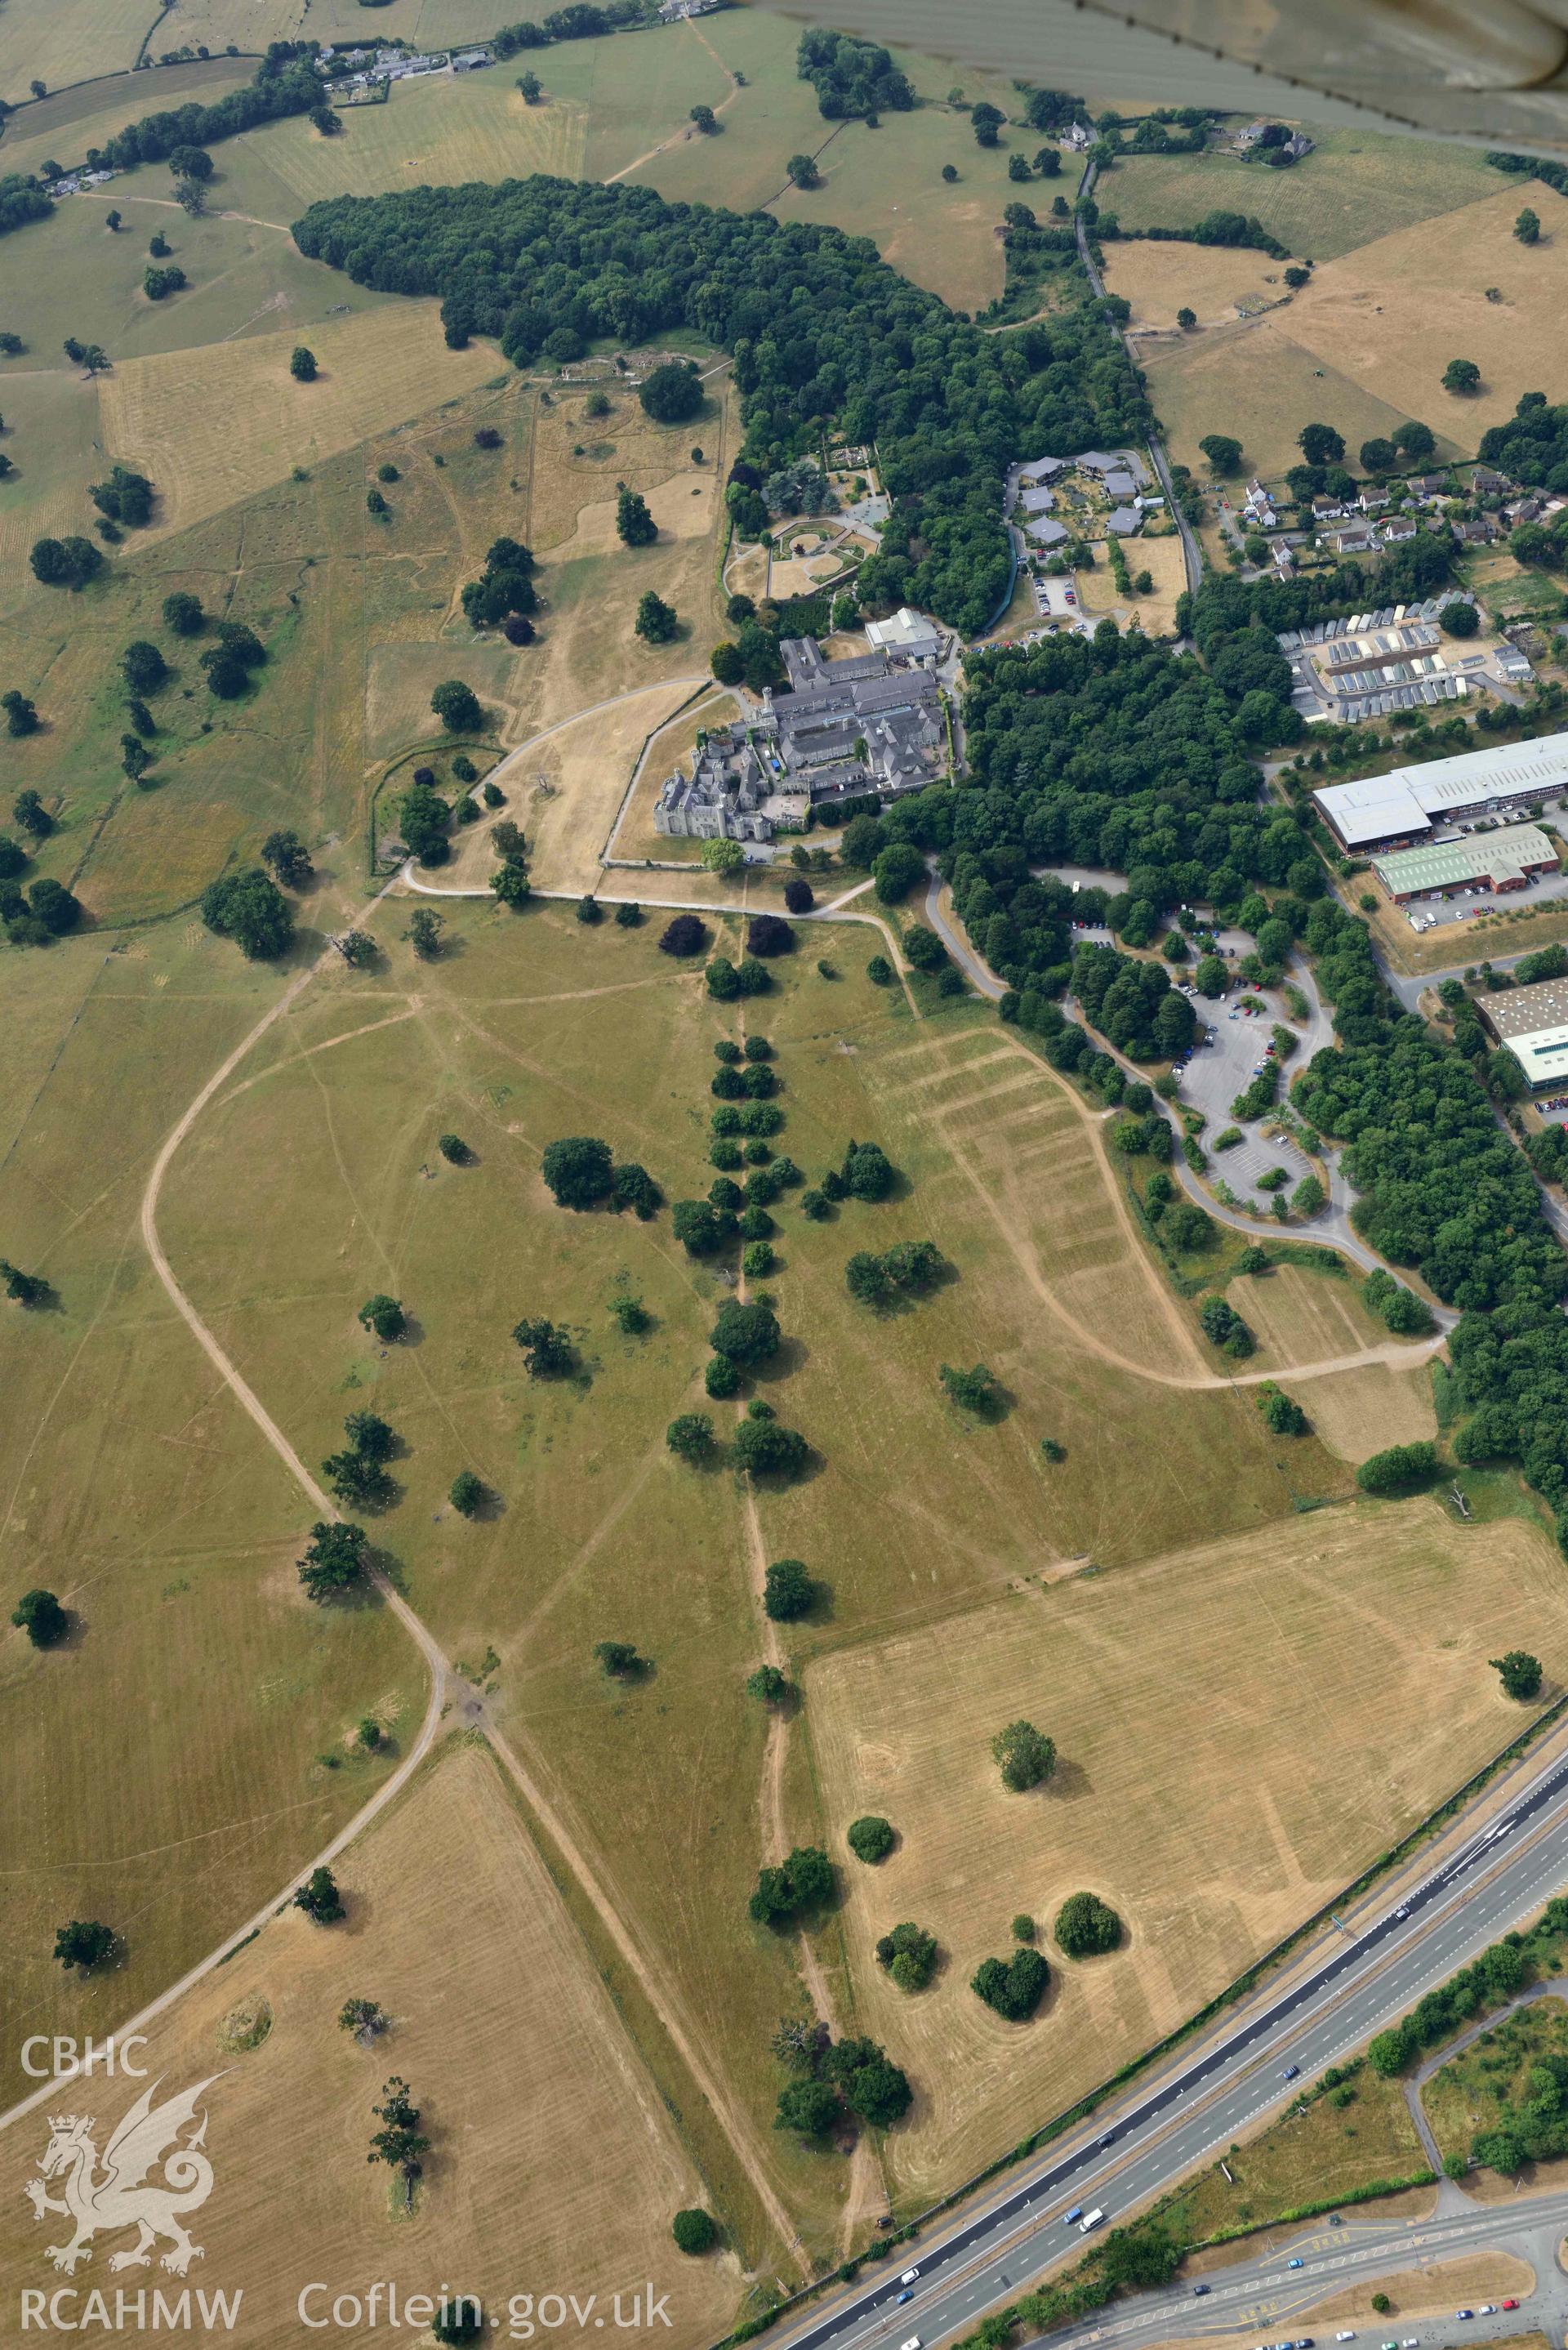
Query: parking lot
point(1217, 1073)
point(1429, 913)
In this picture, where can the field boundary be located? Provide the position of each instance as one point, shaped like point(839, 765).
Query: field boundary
point(1236, 1990)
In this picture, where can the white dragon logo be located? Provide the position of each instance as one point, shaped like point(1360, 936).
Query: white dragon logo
point(119, 2199)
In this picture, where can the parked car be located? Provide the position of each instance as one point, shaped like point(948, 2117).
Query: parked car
point(1297, 2264)
point(1511, 2304)
point(1199, 2290)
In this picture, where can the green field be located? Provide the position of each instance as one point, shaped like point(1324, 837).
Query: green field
point(60, 128)
point(1353, 187)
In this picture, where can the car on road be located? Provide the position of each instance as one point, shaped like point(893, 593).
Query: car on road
point(1345, 2337)
point(1411, 2342)
point(909, 2276)
point(1074, 2215)
point(1291, 2072)
point(1199, 2290)
point(1090, 2219)
point(1296, 2263)
point(903, 2297)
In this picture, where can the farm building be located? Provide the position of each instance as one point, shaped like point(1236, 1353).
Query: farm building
point(1503, 859)
point(1532, 1022)
point(1393, 811)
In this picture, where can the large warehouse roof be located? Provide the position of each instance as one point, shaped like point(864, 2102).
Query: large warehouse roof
point(1532, 1022)
point(1505, 855)
point(1410, 799)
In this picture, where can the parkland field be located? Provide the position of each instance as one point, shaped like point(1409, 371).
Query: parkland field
point(553, 1907)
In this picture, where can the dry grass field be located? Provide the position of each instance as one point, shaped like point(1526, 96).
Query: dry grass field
point(1354, 186)
point(1158, 280)
point(167, 1759)
point(1238, 1647)
point(564, 791)
point(70, 41)
point(1263, 383)
point(936, 1538)
point(215, 426)
point(553, 2163)
point(1161, 557)
point(1372, 315)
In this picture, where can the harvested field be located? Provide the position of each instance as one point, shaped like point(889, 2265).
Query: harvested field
point(1302, 1316)
point(551, 2154)
point(1360, 1412)
point(1353, 187)
point(215, 426)
point(70, 41)
point(1208, 1874)
point(1370, 315)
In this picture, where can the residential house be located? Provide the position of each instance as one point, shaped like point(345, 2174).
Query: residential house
point(1328, 510)
point(1046, 533)
point(1125, 521)
point(1034, 502)
point(1356, 538)
point(1399, 529)
point(1479, 533)
point(1373, 500)
point(1120, 484)
point(1483, 479)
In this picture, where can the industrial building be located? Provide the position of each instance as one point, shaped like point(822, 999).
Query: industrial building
point(1532, 1022)
point(1396, 810)
point(1504, 858)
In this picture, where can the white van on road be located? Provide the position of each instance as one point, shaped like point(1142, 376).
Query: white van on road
point(1090, 2219)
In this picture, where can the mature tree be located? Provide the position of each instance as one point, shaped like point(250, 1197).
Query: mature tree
point(303, 366)
point(769, 1685)
point(547, 1351)
point(633, 521)
point(424, 933)
point(1462, 375)
point(701, 1229)
point(976, 1390)
point(673, 392)
point(1013, 1987)
point(1414, 439)
point(870, 1838)
point(288, 858)
point(457, 707)
point(788, 1591)
point(334, 1559)
point(867, 1173)
point(511, 883)
point(250, 910)
point(897, 869)
point(618, 1661)
point(532, 88)
point(399, 2143)
point(950, 172)
point(1223, 452)
point(577, 1170)
point(41, 1617)
point(1527, 227)
point(64, 562)
point(1025, 1756)
point(763, 1449)
point(84, 1943)
point(803, 171)
point(384, 1315)
point(657, 622)
point(722, 856)
point(1401, 1469)
point(1460, 618)
point(1187, 318)
point(805, 1881)
point(1086, 1926)
point(358, 948)
point(359, 1480)
point(182, 612)
point(28, 811)
point(986, 121)
point(909, 1953)
point(1378, 456)
point(1281, 1412)
point(1320, 444)
point(799, 896)
point(1519, 1674)
point(466, 1494)
point(689, 1436)
point(319, 1898)
point(21, 712)
point(812, 2107)
point(363, 2017)
point(686, 935)
point(695, 2231)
